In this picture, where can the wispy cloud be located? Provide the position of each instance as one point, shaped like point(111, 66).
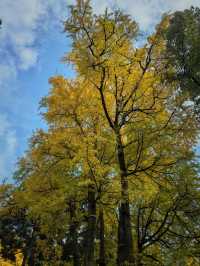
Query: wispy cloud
point(146, 12)
point(22, 22)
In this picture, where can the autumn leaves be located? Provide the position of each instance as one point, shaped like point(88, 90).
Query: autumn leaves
point(111, 179)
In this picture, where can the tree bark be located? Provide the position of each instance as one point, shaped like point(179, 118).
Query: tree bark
point(125, 242)
point(89, 259)
point(74, 233)
point(31, 249)
point(31, 257)
point(102, 255)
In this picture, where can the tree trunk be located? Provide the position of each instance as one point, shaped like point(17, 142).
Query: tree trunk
point(125, 242)
point(31, 257)
point(74, 233)
point(30, 250)
point(89, 259)
point(102, 255)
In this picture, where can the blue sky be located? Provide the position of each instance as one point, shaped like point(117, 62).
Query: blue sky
point(31, 47)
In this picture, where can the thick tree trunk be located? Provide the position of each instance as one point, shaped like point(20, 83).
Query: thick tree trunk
point(89, 259)
point(74, 233)
point(125, 242)
point(70, 247)
point(102, 255)
point(30, 250)
point(125, 246)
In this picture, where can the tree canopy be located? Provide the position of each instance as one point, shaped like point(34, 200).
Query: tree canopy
point(114, 178)
point(183, 40)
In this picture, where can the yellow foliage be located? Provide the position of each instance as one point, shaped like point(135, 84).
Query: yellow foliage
point(18, 262)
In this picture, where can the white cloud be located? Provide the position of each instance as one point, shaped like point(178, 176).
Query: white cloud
point(28, 57)
point(22, 21)
point(18, 30)
point(146, 12)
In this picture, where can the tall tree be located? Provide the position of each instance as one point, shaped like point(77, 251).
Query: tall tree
point(132, 97)
point(107, 182)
